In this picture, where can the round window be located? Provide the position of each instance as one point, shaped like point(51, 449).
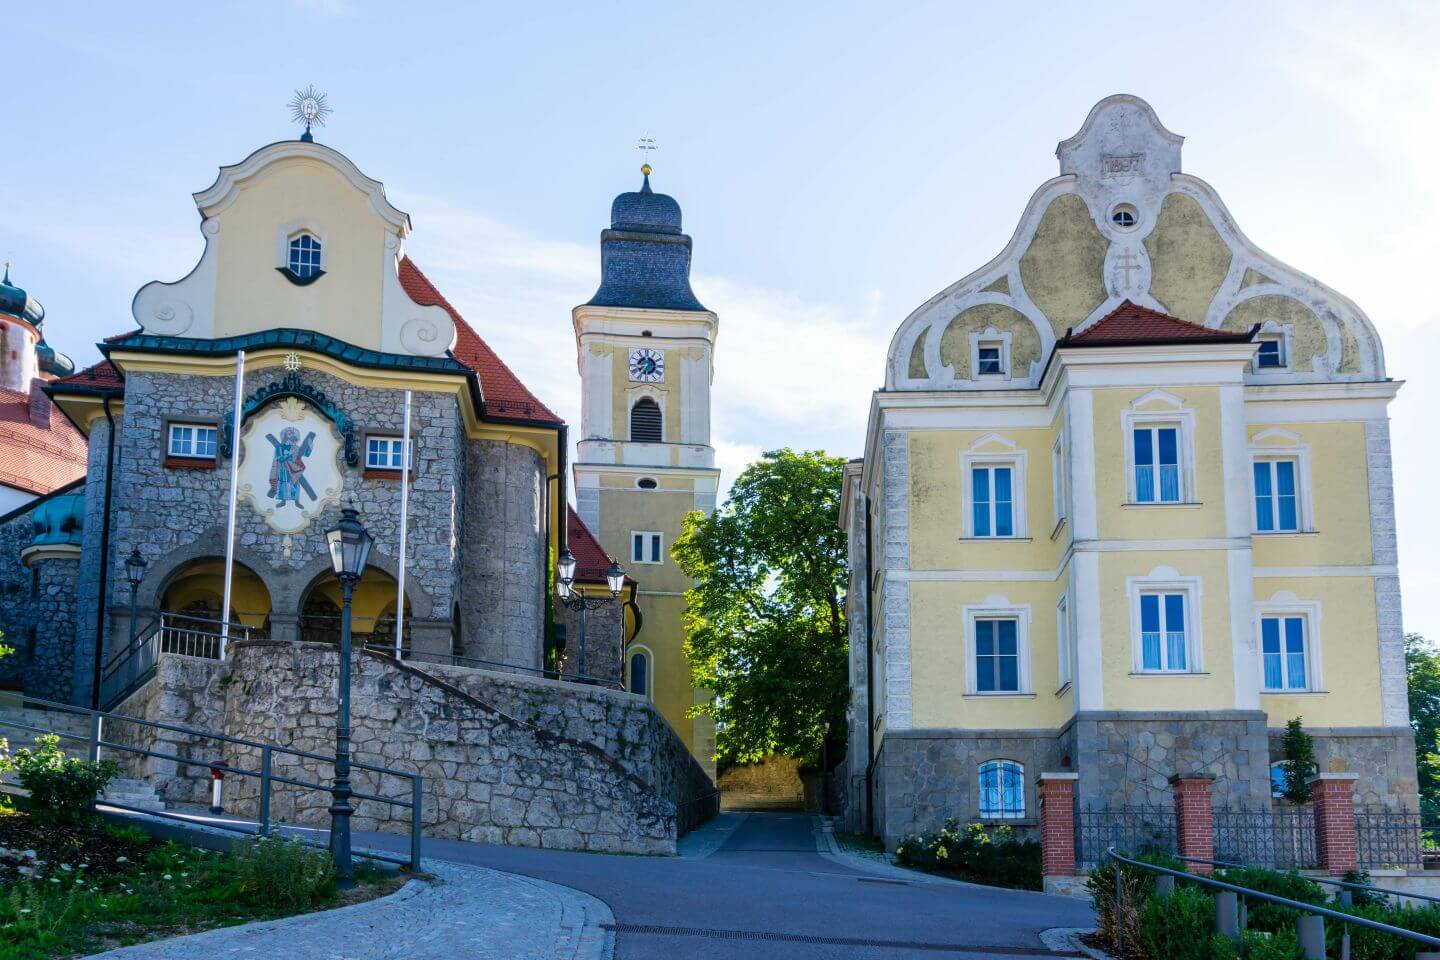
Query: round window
point(646, 483)
point(1125, 216)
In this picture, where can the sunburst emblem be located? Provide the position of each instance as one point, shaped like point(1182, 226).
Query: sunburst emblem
point(309, 107)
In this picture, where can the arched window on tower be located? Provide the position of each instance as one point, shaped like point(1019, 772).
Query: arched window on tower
point(645, 421)
point(304, 257)
point(640, 673)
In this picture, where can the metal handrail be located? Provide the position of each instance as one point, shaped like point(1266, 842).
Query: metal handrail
point(1328, 881)
point(1310, 908)
point(456, 660)
point(266, 775)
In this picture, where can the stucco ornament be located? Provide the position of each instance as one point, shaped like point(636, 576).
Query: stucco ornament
point(290, 466)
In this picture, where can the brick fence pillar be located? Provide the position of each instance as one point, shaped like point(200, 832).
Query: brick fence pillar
point(1057, 823)
point(1194, 819)
point(1335, 842)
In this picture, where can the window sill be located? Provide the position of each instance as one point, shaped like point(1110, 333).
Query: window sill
point(1021, 821)
point(378, 473)
point(189, 463)
point(1285, 533)
point(1169, 673)
point(976, 695)
point(1293, 693)
point(996, 540)
point(1183, 504)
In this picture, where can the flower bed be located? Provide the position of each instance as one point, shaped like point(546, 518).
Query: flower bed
point(72, 884)
point(975, 852)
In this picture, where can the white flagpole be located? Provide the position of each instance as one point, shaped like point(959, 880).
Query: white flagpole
point(234, 484)
point(404, 517)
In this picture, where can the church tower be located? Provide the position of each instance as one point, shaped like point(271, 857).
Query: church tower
point(646, 356)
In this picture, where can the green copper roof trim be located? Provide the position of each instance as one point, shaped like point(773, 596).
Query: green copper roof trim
point(286, 337)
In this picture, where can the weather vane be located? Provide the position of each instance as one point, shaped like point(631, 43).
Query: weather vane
point(646, 146)
point(308, 106)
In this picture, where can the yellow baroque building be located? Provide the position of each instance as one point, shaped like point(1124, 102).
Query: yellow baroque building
point(1125, 509)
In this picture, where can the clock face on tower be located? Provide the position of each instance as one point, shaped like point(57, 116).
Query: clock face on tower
point(647, 366)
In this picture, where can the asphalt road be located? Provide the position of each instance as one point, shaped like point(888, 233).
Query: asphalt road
point(766, 891)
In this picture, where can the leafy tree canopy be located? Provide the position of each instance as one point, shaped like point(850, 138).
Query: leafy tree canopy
point(765, 625)
point(1422, 668)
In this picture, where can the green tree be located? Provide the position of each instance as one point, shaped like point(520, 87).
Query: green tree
point(1422, 671)
point(1299, 761)
point(765, 624)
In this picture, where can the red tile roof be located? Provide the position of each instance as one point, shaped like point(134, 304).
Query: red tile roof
point(102, 375)
point(1133, 325)
point(38, 457)
point(505, 395)
point(592, 563)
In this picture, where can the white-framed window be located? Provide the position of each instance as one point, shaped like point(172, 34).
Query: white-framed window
point(1157, 463)
point(990, 353)
point(1280, 482)
point(197, 441)
point(1057, 480)
point(647, 546)
point(1270, 354)
point(1288, 629)
point(997, 648)
point(1277, 495)
point(1002, 790)
point(1165, 622)
point(1062, 641)
point(303, 255)
point(387, 453)
point(1159, 450)
point(639, 672)
point(993, 489)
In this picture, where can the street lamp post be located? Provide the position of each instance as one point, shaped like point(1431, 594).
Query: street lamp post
point(349, 551)
point(574, 600)
point(134, 572)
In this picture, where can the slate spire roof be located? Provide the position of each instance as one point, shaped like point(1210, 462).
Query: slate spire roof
point(1130, 325)
point(644, 258)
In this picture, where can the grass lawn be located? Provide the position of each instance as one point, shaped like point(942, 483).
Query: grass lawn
point(71, 889)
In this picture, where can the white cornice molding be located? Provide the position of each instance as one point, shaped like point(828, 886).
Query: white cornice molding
point(228, 181)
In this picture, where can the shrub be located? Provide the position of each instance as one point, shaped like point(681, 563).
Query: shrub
point(1177, 927)
point(1299, 765)
point(985, 854)
point(1137, 886)
point(1258, 946)
point(282, 872)
point(1270, 917)
point(61, 788)
point(1366, 944)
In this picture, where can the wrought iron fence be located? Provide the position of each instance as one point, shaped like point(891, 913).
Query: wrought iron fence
point(689, 814)
point(1281, 837)
point(178, 633)
point(1386, 838)
point(1132, 829)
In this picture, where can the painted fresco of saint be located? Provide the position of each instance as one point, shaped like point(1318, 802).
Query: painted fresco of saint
point(287, 470)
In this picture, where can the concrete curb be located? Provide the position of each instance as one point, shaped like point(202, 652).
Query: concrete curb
point(1067, 940)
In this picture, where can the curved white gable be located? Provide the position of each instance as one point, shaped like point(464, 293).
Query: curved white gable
point(1122, 154)
point(235, 289)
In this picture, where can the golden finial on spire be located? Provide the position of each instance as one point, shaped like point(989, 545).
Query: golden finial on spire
point(644, 168)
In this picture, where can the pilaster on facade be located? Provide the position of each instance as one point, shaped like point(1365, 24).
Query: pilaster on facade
point(896, 592)
point(1395, 704)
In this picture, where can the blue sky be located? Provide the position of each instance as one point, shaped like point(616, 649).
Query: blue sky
point(838, 163)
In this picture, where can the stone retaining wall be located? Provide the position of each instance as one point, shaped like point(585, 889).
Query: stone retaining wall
point(185, 691)
point(505, 759)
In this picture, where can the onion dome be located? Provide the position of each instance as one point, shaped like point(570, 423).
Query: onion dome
point(59, 521)
point(52, 361)
point(17, 303)
point(644, 258)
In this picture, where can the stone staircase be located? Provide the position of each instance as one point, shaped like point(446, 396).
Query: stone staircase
point(133, 793)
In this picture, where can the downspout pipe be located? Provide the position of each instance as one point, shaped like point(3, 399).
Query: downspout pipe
point(104, 560)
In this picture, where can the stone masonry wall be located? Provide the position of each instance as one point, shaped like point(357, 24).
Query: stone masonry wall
point(17, 598)
point(174, 515)
point(502, 607)
point(186, 691)
point(604, 638)
point(50, 658)
point(1384, 757)
point(497, 766)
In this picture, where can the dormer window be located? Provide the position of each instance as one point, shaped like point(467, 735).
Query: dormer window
point(1271, 353)
point(991, 360)
point(300, 253)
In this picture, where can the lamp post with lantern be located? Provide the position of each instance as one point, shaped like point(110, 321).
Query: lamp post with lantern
point(573, 599)
point(134, 572)
point(349, 545)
